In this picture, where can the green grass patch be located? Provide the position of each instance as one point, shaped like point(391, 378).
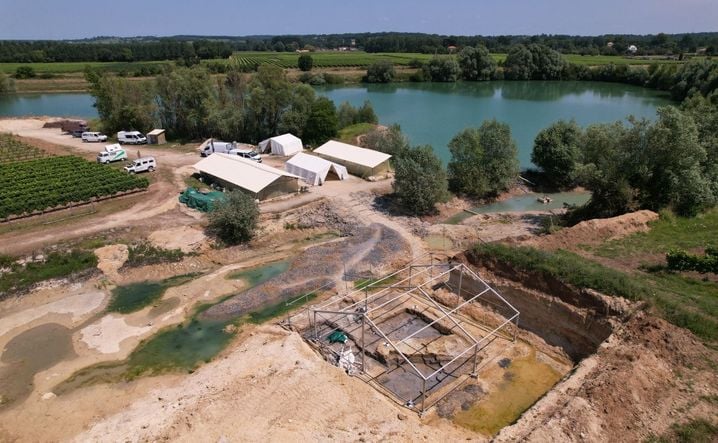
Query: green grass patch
point(135, 296)
point(56, 265)
point(351, 132)
point(694, 431)
point(669, 232)
point(685, 302)
point(145, 253)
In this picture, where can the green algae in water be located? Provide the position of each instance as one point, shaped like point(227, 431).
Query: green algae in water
point(135, 296)
point(260, 274)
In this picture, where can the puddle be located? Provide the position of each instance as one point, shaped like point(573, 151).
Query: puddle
point(523, 382)
point(135, 296)
point(260, 274)
point(438, 241)
point(164, 306)
point(523, 203)
point(31, 352)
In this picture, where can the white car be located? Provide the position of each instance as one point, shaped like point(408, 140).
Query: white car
point(131, 138)
point(93, 137)
point(141, 165)
point(249, 154)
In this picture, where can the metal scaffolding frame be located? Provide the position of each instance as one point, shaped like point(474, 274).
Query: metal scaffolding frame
point(388, 294)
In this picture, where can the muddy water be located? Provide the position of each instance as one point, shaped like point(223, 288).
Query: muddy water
point(523, 203)
point(135, 296)
point(439, 242)
point(524, 381)
point(259, 275)
point(31, 352)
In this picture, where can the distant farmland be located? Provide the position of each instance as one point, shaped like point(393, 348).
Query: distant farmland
point(322, 59)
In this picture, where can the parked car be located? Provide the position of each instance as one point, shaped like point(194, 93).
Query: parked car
point(249, 154)
point(77, 133)
point(217, 146)
point(131, 138)
point(112, 153)
point(93, 137)
point(141, 165)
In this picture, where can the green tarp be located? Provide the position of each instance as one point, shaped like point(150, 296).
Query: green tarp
point(204, 202)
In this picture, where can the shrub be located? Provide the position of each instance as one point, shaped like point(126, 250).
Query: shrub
point(305, 62)
point(234, 220)
point(380, 72)
point(679, 260)
point(23, 72)
point(146, 254)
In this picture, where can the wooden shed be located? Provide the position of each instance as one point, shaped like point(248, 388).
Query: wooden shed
point(156, 137)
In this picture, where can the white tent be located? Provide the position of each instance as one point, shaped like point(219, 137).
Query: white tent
point(284, 145)
point(312, 169)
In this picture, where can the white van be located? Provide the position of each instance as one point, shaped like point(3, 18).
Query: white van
point(131, 138)
point(216, 146)
point(93, 137)
point(249, 154)
point(141, 165)
point(111, 153)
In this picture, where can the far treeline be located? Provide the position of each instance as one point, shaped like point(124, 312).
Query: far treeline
point(114, 49)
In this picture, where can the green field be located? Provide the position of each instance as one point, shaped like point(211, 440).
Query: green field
point(322, 59)
point(37, 183)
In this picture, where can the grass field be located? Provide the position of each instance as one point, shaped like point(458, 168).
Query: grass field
point(322, 59)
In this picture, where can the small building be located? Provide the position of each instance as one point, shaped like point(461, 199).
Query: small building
point(258, 180)
point(156, 137)
point(314, 170)
point(284, 145)
point(358, 161)
point(633, 49)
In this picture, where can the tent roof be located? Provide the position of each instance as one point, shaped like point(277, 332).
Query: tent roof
point(353, 154)
point(285, 138)
point(156, 132)
point(309, 162)
point(244, 173)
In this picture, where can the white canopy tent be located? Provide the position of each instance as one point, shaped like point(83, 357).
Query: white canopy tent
point(312, 169)
point(284, 145)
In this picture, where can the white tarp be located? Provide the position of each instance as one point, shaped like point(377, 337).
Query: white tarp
point(284, 145)
point(353, 154)
point(312, 169)
point(241, 172)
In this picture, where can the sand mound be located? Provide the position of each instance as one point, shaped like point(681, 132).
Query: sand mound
point(596, 231)
point(186, 238)
point(111, 258)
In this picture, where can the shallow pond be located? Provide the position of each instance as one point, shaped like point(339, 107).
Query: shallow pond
point(255, 276)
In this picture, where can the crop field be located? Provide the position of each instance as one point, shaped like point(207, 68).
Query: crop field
point(326, 59)
point(13, 150)
point(50, 182)
point(78, 67)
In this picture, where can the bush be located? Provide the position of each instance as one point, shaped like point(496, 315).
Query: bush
point(55, 265)
point(23, 72)
point(234, 220)
point(146, 254)
point(679, 260)
point(419, 180)
point(380, 72)
point(305, 62)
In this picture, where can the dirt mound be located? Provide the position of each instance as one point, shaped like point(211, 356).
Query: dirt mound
point(596, 231)
point(645, 377)
point(111, 258)
point(186, 238)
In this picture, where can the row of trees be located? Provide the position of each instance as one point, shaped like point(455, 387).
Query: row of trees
point(190, 104)
point(172, 48)
point(484, 163)
point(7, 85)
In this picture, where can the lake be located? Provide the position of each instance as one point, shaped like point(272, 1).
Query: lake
point(432, 113)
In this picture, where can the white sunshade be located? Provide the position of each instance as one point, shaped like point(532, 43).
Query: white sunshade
point(312, 169)
point(353, 154)
point(284, 145)
point(241, 172)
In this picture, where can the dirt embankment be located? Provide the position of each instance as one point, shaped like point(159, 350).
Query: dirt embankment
point(636, 374)
point(594, 232)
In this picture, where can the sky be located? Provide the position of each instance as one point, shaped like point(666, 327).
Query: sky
point(54, 19)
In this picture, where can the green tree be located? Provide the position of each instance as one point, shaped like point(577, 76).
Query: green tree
point(269, 96)
point(389, 140)
point(322, 123)
point(419, 180)
point(23, 72)
point(476, 63)
point(484, 160)
point(234, 220)
point(366, 114)
point(7, 85)
point(183, 101)
point(557, 152)
point(121, 103)
point(519, 63)
point(305, 62)
point(380, 72)
point(346, 114)
point(294, 118)
point(443, 69)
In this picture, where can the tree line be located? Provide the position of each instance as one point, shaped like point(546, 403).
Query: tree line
point(191, 104)
point(106, 49)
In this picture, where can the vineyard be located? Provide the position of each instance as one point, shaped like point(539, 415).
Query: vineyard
point(325, 59)
point(13, 150)
point(46, 183)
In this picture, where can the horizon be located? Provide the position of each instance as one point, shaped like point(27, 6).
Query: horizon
point(135, 18)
